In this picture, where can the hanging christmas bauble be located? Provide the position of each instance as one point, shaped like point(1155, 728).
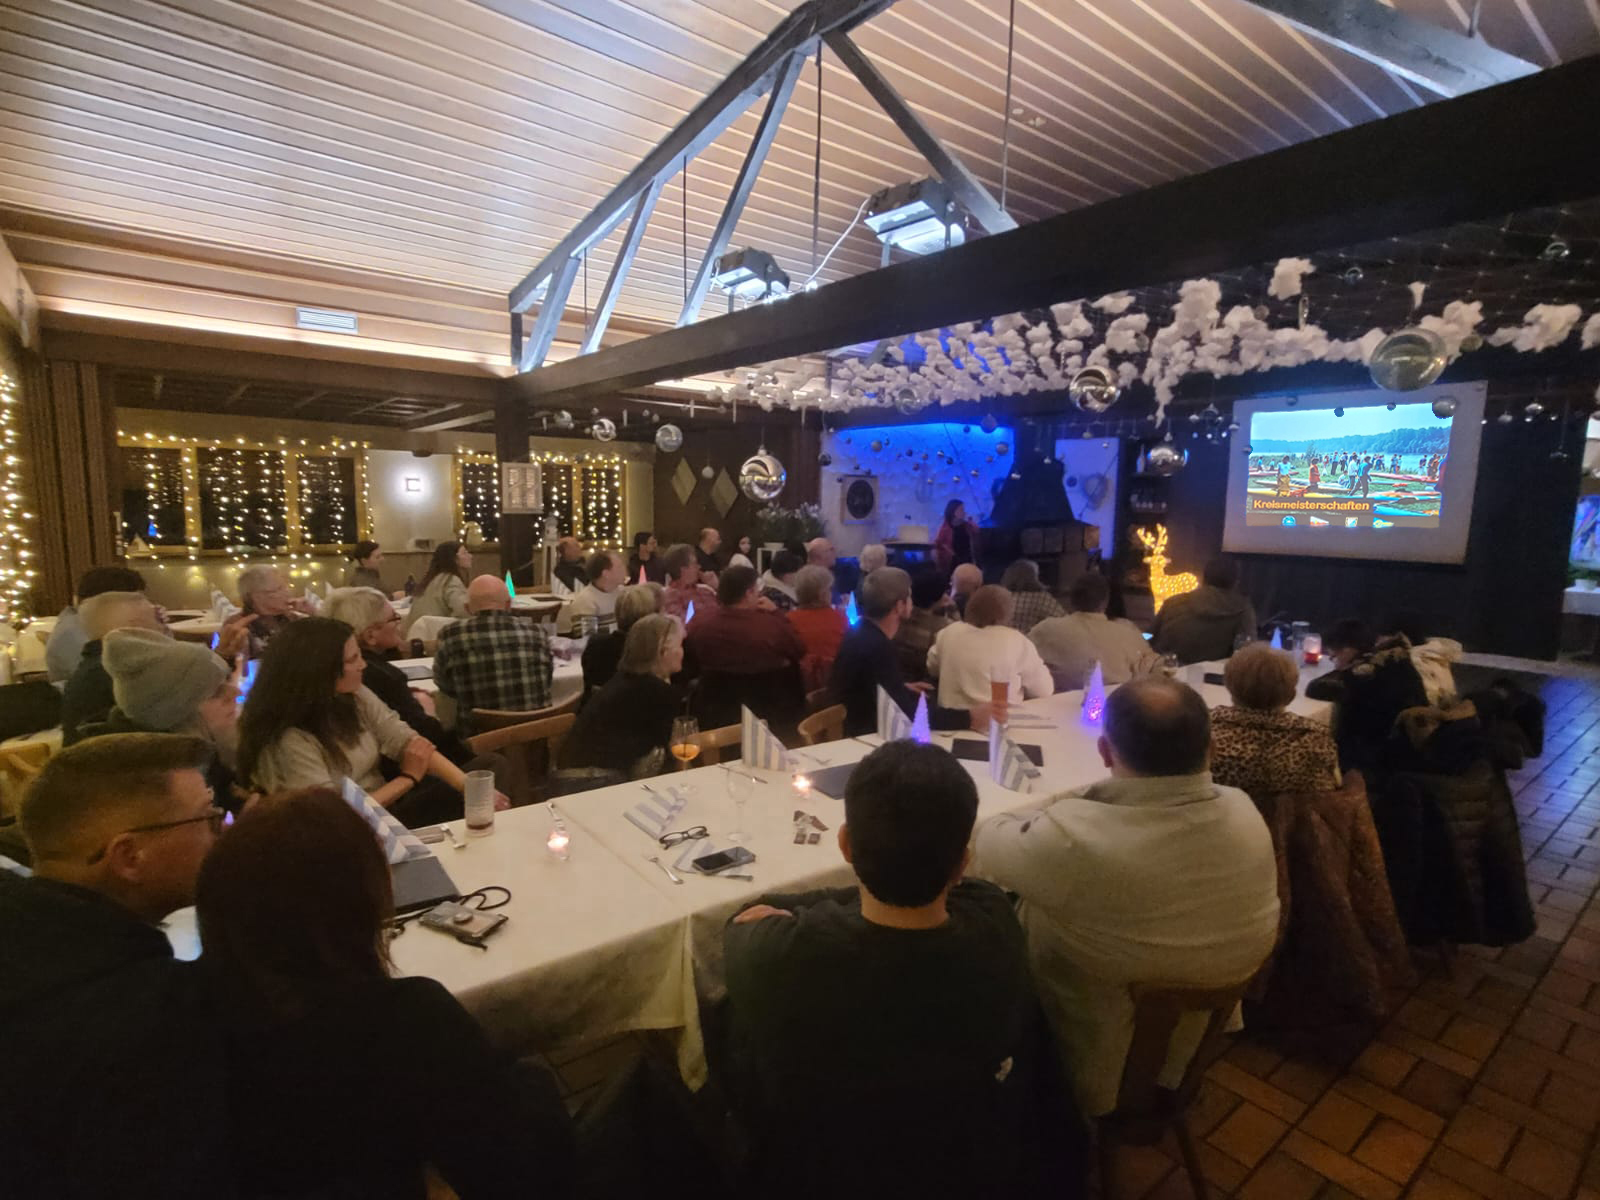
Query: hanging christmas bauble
point(604, 430)
point(1472, 341)
point(1093, 389)
point(1444, 407)
point(1533, 409)
point(906, 401)
point(1506, 418)
point(1001, 447)
point(1408, 360)
point(1352, 276)
point(974, 472)
point(669, 439)
point(825, 459)
point(562, 419)
point(1261, 312)
point(762, 477)
point(989, 423)
point(876, 446)
point(706, 472)
point(1165, 459)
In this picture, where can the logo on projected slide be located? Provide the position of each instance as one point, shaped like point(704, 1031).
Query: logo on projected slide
point(1380, 523)
point(1352, 522)
point(1315, 521)
point(1289, 521)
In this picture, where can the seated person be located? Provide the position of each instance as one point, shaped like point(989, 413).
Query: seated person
point(597, 598)
point(887, 1003)
point(964, 580)
point(87, 698)
point(493, 660)
point(444, 586)
point(1203, 625)
point(684, 589)
point(1156, 875)
point(917, 631)
point(310, 722)
point(820, 626)
point(377, 627)
point(746, 636)
point(1257, 745)
point(365, 560)
point(777, 582)
point(292, 911)
point(64, 648)
point(645, 565)
point(570, 569)
point(264, 596)
point(1347, 641)
point(867, 661)
point(110, 1049)
point(625, 725)
point(1071, 645)
point(603, 650)
point(966, 655)
point(1030, 603)
point(705, 553)
point(166, 686)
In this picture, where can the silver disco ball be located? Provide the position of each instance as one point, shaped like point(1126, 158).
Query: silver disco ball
point(562, 419)
point(1408, 360)
point(989, 423)
point(604, 430)
point(906, 401)
point(1444, 407)
point(762, 477)
point(1165, 459)
point(1093, 389)
point(669, 439)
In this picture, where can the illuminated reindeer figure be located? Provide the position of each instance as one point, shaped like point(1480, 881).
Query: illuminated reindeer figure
point(1163, 586)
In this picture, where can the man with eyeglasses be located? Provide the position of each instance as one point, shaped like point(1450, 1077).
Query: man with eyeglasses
point(124, 1084)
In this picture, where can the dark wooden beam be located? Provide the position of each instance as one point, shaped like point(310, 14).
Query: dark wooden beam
point(1518, 145)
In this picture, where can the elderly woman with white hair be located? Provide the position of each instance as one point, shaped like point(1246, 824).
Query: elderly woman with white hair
point(377, 630)
point(264, 595)
point(1257, 745)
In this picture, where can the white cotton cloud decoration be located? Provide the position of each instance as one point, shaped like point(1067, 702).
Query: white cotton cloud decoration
point(1115, 304)
point(1287, 277)
point(1543, 327)
point(1122, 336)
point(1458, 320)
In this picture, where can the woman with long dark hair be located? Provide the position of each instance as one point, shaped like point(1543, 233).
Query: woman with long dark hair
point(365, 559)
point(344, 1080)
point(957, 539)
point(309, 722)
point(444, 587)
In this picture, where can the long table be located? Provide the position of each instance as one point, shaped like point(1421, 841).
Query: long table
point(605, 943)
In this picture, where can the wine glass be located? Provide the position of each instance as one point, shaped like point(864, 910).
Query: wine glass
point(684, 743)
point(740, 788)
point(1170, 665)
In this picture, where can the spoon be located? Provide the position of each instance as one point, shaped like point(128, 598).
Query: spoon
point(657, 860)
point(455, 842)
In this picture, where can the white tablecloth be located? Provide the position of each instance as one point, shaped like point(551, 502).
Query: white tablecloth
point(1585, 602)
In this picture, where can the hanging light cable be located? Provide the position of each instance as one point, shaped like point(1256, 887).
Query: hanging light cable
point(1005, 137)
point(816, 174)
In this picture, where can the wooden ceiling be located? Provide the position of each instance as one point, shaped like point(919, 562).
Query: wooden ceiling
point(195, 168)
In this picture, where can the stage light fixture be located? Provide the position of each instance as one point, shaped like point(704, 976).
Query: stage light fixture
point(919, 217)
point(750, 273)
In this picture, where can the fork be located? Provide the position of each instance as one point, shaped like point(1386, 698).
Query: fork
point(655, 858)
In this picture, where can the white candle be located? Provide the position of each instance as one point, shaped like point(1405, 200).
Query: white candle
point(557, 843)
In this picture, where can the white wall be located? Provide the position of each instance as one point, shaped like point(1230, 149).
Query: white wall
point(396, 515)
point(1083, 458)
point(907, 496)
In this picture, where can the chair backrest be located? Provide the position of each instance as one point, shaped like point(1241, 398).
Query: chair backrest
point(520, 742)
point(28, 708)
point(713, 741)
point(817, 699)
point(486, 719)
point(1157, 1011)
point(824, 726)
point(19, 765)
point(775, 696)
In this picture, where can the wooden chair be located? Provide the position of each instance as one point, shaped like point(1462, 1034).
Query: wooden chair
point(826, 725)
point(519, 744)
point(485, 719)
point(816, 700)
point(20, 764)
point(1145, 1109)
point(713, 742)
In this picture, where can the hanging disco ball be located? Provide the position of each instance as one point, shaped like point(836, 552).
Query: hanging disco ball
point(762, 477)
point(1165, 459)
point(989, 423)
point(825, 459)
point(1261, 312)
point(906, 401)
point(1352, 276)
point(1001, 447)
point(1533, 409)
point(604, 430)
point(1506, 418)
point(876, 445)
point(1473, 341)
point(562, 419)
point(707, 473)
point(1408, 360)
point(1444, 407)
point(669, 439)
point(1093, 389)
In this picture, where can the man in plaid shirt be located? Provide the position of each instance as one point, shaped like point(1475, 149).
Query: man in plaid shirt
point(493, 659)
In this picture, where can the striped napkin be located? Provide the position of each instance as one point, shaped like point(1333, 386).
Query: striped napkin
point(759, 746)
point(1008, 765)
point(398, 843)
point(892, 722)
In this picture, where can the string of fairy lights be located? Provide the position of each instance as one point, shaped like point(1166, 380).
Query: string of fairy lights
point(479, 489)
point(16, 559)
point(584, 494)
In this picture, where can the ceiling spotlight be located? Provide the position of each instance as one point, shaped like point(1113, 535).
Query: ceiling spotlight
point(749, 273)
point(919, 217)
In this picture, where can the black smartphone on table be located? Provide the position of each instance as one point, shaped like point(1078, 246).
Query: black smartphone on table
point(722, 860)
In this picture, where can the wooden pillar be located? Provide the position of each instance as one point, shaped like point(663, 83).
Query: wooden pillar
point(519, 532)
point(69, 450)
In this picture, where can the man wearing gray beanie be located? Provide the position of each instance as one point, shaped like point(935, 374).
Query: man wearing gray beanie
point(167, 686)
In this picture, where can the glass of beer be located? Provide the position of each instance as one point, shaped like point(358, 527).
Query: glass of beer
point(1000, 695)
point(684, 744)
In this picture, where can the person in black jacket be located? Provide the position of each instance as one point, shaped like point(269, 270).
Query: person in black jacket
point(87, 698)
point(345, 1081)
point(377, 629)
point(115, 1084)
point(603, 650)
point(626, 724)
point(868, 660)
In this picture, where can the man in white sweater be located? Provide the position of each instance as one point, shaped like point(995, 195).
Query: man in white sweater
point(1156, 875)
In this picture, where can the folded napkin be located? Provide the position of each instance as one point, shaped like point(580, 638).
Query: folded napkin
point(759, 746)
point(397, 842)
point(221, 607)
point(656, 814)
point(1008, 765)
point(892, 721)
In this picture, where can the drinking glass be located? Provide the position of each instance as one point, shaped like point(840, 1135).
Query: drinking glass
point(740, 788)
point(1169, 665)
point(685, 747)
point(1000, 694)
point(478, 803)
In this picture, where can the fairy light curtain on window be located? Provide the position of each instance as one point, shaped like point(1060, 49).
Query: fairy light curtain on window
point(244, 502)
point(480, 497)
point(327, 495)
point(558, 496)
point(152, 497)
point(602, 505)
point(16, 560)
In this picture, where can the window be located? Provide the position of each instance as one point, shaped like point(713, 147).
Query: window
point(558, 482)
point(480, 498)
point(152, 496)
point(602, 504)
point(242, 499)
point(327, 495)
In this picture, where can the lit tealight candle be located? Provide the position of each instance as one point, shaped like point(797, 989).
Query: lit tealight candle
point(802, 784)
point(557, 843)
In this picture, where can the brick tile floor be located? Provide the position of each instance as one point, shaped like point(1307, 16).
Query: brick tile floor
point(1484, 1083)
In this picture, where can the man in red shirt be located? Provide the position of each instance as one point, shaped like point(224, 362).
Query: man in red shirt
point(747, 652)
